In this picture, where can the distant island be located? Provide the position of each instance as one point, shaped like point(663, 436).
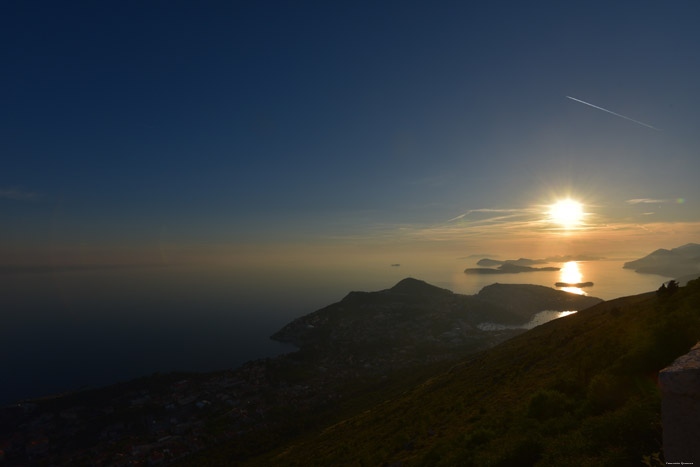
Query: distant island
point(676, 262)
point(488, 262)
point(517, 262)
point(573, 284)
point(507, 268)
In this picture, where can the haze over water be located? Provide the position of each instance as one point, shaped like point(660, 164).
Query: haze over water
point(75, 328)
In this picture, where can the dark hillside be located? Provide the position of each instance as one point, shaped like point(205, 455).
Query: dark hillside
point(416, 320)
point(526, 299)
point(580, 390)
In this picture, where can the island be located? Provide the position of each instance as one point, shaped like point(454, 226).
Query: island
point(488, 262)
point(507, 268)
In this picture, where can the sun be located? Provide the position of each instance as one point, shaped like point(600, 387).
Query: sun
point(567, 212)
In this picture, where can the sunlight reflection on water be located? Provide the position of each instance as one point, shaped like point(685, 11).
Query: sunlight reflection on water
point(540, 318)
point(571, 274)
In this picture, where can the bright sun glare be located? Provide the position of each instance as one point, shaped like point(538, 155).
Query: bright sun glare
point(567, 212)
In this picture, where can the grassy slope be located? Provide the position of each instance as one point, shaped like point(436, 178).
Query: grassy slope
point(576, 391)
point(358, 395)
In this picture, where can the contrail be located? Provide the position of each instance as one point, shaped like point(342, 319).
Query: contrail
point(616, 114)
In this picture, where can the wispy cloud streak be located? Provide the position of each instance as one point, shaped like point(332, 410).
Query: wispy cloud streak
point(472, 211)
point(645, 201)
point(614, 113)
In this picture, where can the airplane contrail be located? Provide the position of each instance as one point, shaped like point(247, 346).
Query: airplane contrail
point(616, 114)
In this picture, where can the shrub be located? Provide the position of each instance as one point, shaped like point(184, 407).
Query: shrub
point(547, 403)
point(479, 437)
point(526, 453)
point(606, 392)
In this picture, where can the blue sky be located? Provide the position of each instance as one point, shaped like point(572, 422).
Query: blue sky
point(126, 125)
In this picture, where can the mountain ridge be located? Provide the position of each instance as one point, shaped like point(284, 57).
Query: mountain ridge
point(411, 286)
point(676, 262)
point(413, 313)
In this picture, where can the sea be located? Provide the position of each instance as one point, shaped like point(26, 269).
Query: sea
point(63, 330)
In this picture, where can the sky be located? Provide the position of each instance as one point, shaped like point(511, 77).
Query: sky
point(144, 132)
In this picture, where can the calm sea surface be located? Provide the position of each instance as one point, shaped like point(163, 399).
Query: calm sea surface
point(63, 330)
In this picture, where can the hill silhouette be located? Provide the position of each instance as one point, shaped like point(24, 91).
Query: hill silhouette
point(676, 262)
point(527, 299)
point(417, 319)
point(415, 287)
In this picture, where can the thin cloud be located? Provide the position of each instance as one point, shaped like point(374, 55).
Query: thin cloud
point(645, 201)
point(516, 230)
point(528, 229)
point(526, 224)
point(497, 220)
point(472, 211)
point(18, 195)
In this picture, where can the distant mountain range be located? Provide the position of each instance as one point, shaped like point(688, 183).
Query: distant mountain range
point(682, 262)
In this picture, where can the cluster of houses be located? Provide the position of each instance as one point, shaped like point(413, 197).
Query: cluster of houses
point(151, 423)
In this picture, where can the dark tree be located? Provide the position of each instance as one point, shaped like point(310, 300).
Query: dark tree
point(662, 291)
point(667, 288)
point(672, 286)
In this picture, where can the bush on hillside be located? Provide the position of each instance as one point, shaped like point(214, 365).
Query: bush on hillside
point(547, 403)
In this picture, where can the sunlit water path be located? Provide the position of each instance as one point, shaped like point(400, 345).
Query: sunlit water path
point(540, 318)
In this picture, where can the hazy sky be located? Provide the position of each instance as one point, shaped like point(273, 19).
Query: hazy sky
point(130, 129)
